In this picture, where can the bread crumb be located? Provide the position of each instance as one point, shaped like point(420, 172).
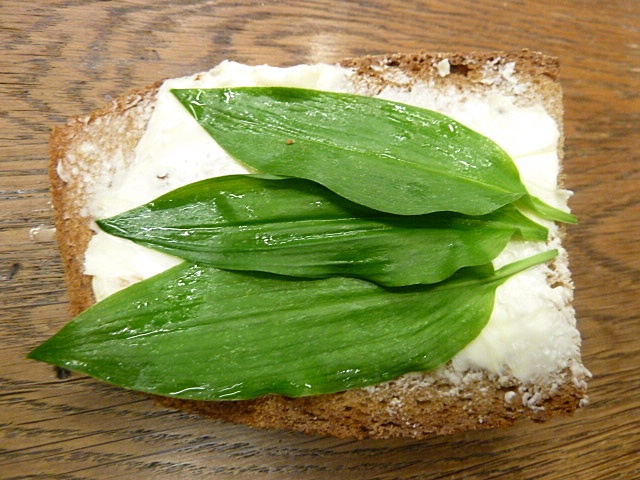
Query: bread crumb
point(507, 72)
point(510, 397)
point(443, 67)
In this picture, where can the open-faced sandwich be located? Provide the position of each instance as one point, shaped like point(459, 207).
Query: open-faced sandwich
point(366, 249)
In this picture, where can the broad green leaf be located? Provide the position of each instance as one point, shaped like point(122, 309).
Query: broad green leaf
point(385, 155)
point(297, 227)
point(201, 333)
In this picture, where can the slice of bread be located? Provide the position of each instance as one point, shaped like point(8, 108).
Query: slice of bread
point(89, 152)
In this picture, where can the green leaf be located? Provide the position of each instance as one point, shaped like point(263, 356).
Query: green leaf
point(385, 155)
point(534, 204)
point(201, 333)
point(297, 227)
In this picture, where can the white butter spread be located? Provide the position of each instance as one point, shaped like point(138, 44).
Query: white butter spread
point(530, 334)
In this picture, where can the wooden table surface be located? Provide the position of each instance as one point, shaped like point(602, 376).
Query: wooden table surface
point(61, 58)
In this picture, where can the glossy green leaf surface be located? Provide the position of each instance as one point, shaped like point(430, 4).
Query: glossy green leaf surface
point(201, 333)
point(385, 155)
point(297, 227)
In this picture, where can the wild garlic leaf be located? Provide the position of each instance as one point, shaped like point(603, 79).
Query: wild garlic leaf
point(297, 227)
point(200, 333)
point(385, 155)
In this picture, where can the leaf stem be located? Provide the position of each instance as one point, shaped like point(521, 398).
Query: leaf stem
point(518, 266)
point(529, 202)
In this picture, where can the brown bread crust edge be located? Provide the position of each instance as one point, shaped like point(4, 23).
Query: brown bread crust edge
point(422, 405)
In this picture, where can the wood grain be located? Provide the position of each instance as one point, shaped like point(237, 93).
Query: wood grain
point(62, 58)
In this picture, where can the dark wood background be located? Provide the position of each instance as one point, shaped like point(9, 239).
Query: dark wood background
point(63, 58)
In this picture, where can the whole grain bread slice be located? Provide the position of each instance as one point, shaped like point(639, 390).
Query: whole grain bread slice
point(89, 150)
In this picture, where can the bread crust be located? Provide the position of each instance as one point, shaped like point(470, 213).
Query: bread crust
point(415, 406)
point(128, 116)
